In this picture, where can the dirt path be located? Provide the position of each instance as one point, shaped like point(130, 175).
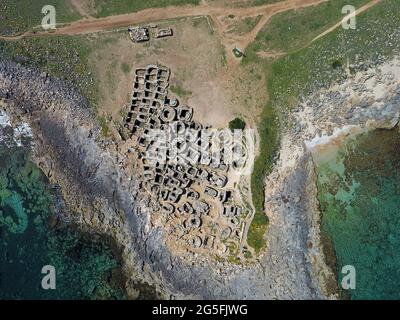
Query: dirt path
point(271, 54)
point(267, 54)
point(90, 25)
point(155, 14)
point(358, 11)
point(231, 41)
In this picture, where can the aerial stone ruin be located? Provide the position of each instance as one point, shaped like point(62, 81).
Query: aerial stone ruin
point(164, 33)
point(142, 33)
point(139, 34)
point(188, 191)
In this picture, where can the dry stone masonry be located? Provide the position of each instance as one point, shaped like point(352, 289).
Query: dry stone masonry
point(142, 33)
point(188, 193)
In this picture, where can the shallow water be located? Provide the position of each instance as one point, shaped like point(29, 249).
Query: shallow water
point(359, 193)
point(31, 236)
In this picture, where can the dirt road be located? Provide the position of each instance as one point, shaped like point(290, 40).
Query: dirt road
point(230, 41)
point(94, 25)
point(90, 24)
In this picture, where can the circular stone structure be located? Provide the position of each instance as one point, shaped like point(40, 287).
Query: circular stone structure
point(168, 114)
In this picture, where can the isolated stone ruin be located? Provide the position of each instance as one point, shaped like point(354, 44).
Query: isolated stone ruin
point(142, 33)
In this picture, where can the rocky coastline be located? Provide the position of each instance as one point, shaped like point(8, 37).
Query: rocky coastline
point(72, 153)
point(102, 195)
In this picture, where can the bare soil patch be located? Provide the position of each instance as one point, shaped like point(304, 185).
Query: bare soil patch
point(196, 63)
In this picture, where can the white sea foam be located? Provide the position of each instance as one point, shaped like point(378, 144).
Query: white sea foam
point(4, 119)
point(19, 131)
point(325, 139)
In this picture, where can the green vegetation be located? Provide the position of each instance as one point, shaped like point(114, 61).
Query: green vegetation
point(262, 166)
point(248, 255)
point(237, 124)
point(233, 252)
point(113, 7)
point(223, 58)
point(245, 25)
point(261, 2)
point(294, 29)
point(298, 73)
point(179, 91)
point(103, 121)
point(22, 15)
point(65, 57)
point(126, 68)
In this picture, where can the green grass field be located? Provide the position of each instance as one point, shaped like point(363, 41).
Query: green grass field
point(294, 29)
point(297, 74)
point(22, 15)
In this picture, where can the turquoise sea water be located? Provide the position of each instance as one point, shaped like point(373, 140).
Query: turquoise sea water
point(359, 193)
point(31, 236)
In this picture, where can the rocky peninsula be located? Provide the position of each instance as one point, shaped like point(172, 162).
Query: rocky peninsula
point(102, 196)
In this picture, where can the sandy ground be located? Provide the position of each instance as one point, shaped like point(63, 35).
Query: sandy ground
point(217, 92)
point(200, 77)
point(82, 6)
